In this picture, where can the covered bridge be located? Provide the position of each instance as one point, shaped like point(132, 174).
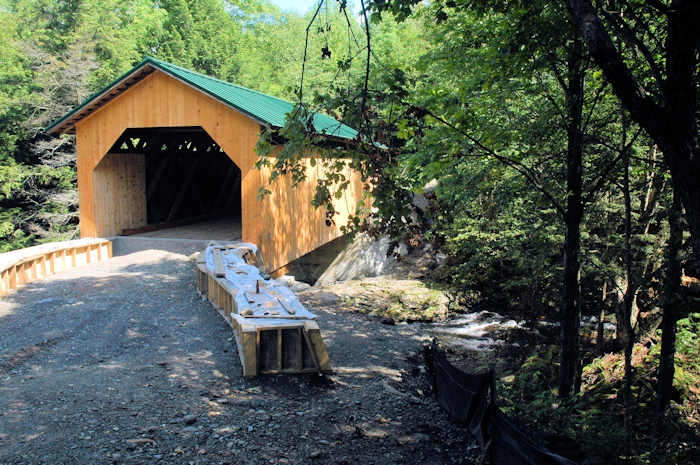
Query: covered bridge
point(163, 145)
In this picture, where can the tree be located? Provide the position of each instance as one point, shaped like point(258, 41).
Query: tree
point(672, 306)
point(56, 53)
point(661, 99)
point(554, 51)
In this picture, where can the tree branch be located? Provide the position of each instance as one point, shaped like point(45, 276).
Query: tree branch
point(606, 171)
point(643, 109)
point(596, 98)
point(306, 48)
point(521, 168)
point(369, 54)
point(633, 40)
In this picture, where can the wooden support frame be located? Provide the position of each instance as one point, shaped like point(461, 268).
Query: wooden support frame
point(155, 181)
point(224, 186)
point(174, 210)
point(290, 347)
point(233, 193)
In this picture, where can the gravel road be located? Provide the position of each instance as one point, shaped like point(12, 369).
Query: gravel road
point(122, 362)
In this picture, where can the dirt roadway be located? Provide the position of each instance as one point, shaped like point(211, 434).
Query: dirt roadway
point(122, 362)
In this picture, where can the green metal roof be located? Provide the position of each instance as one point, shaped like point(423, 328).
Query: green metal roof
point(264, 108)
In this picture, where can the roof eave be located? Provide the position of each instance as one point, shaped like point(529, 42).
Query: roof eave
point(66, 124)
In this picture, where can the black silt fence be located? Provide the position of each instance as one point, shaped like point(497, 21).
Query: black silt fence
point(470, 400)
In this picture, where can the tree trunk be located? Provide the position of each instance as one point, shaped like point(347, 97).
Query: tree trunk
point(671, 121)
point(680, 145)
point(684, 179)
point(570, 318)
point(671, 300)
point(624, 315)
point(600, 338)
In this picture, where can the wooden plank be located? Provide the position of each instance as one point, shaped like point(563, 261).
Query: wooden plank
point(4, 282)
point(312, 350)
point(219, 270)
point(32, 270)
point(163, 225)
point(275, 317)
point(268, 358)
point(248, 297)
point(247, 349)
point(225, 185)
point(64, 259)
point(175, 209)
point(288, 308)
point(279, 349)
point(318, 348)
point(291, 350)
point(300, 350)
point(13, 277)
point(210, 289)
point(155, 180)
point(25, 273)
point(119, 194)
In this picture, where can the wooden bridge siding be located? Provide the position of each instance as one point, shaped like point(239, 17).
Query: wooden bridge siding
point(156, 101)
point(285, 226)
point(288, 214)
point(119, 192)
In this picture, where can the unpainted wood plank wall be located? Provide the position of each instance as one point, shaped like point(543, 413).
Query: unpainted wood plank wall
point(119, 192)
point(284, 225)
point(288, 214)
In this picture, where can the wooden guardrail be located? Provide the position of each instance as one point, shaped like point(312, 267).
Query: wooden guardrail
point(20, 267)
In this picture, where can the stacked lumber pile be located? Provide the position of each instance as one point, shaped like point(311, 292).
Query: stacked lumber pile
point(274, 332)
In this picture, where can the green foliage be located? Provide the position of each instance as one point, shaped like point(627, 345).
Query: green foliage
point(688, 340)
point(15, 87)
point(686, 378)
point(504, 248)
point(480, 114)
point(593, 419)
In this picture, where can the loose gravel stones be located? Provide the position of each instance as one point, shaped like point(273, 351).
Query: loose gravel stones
point(138, 370)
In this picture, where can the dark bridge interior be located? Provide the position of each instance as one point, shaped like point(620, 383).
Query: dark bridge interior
point(188, 176)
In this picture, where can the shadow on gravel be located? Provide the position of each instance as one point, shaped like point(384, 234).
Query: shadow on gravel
point(122, 362)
